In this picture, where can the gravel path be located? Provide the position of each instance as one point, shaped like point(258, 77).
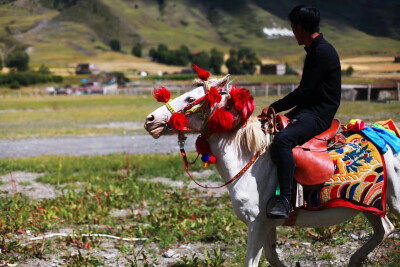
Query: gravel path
point(95, 145)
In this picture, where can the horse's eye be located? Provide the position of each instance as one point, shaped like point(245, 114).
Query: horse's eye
point(190, 99)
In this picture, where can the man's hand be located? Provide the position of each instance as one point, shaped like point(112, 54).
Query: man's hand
point(266, 112)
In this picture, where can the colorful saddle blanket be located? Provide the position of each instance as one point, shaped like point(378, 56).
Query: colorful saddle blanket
point(359, 181)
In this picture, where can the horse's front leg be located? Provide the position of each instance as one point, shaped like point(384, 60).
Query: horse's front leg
point(255, 243)
point(270, 247)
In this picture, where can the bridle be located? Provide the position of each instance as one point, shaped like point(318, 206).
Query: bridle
point(268, 123)
point(189, 109)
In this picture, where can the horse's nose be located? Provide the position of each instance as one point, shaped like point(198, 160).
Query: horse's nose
point(149, 120)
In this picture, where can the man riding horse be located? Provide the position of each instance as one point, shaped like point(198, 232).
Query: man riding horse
point(315, 103)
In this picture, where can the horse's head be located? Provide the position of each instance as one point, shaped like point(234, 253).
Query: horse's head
point(210, 107)
point(158, 122)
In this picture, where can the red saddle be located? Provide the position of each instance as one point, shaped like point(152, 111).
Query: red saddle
point(313, 163)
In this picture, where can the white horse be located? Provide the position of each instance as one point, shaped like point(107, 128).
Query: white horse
point(250, 193)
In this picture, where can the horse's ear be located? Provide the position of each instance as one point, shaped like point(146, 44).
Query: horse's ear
point(221, 83)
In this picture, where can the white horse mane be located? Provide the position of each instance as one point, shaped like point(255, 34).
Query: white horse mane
point(249, 138)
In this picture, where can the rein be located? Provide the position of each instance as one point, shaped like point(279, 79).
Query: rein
point(181, 142)
point(189, 109)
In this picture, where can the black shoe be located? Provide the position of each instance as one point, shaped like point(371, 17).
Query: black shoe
point(279, 207)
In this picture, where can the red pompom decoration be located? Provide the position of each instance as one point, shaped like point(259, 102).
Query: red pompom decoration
point(178, 121)
point(220, 121)
point(213, 96)
point(202, 146)
point(202, 74)
point(212, 160)
point(162, 94)
point(243, 101)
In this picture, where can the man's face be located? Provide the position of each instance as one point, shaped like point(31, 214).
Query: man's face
point(298, 33)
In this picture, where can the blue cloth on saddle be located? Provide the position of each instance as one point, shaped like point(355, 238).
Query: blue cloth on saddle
point(381, 138)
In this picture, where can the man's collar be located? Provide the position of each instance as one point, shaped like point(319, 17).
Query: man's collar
point(314, 42)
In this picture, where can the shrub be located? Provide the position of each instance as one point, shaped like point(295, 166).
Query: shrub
point(202, 60)
point(243, 61)
point(15, 85)
point(137, 50)
point(18, 79)
point(179, 57)
point(115, 45)
point(289, 70)
point(44, 70)
point(18, 60)
point(348, 72)
point(121, 78)
point(216, 61)
point(233, 63)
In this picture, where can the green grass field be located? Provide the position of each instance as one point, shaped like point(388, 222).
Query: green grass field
point(48, 116)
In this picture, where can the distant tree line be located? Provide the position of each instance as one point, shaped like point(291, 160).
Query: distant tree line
point(20, 75)
point(241, 61)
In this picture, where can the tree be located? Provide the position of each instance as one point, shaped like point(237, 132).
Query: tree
point(137, 50)
point(17, 60)
point(180, 57)
point(115, 45)
point(243, 61)
point(248, 60)
point(349, 71)
point(1, 63)
point(44, 69)
point(202, 60)
point(216, 61)
point(289, 70)
point(233, 63)
point(162, 53)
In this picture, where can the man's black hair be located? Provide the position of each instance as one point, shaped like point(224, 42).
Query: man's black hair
point(306, 16)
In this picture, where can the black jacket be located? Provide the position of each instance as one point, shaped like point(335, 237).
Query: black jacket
point(319, 91)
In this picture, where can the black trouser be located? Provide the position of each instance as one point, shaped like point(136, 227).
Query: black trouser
point(301, 129)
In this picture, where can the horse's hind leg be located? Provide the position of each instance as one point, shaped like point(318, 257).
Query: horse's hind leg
point(382, 228)
point(393, 185)
point(270, 248)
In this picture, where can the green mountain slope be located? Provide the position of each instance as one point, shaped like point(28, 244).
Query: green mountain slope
point(62, 32)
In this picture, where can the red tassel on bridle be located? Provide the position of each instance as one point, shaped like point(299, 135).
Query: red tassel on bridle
point(202, 146)
point(243, 101)
point(202, 74)
point(213, 97)
point(162, 94)
point(178, 121)
point(220, 121)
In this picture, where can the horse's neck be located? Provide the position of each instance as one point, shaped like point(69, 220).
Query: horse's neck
point(231, 159)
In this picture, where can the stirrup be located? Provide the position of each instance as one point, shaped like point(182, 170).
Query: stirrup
point(278, 213)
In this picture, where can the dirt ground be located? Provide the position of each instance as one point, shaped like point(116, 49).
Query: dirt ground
point(291, 251)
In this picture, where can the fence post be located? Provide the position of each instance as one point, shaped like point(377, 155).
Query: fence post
point(266, 89)
point(369, 92)
point(279, 89)
point(253, 90)
point(398, 91)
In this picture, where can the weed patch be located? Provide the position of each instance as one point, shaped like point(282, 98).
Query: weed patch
point(174, 218)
